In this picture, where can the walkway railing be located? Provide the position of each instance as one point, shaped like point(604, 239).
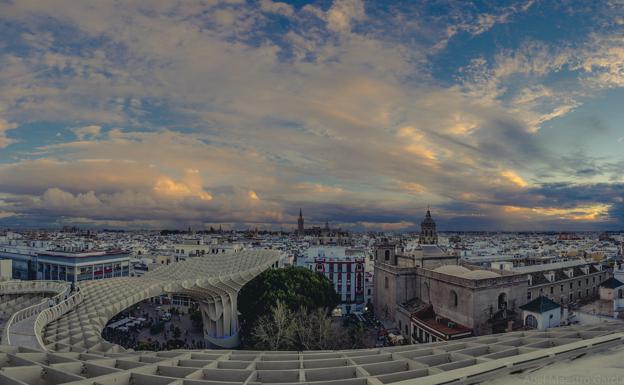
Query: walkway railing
point(51, 314)
point(23, 287)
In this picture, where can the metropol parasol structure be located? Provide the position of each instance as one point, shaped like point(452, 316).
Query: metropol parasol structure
point(62, 344)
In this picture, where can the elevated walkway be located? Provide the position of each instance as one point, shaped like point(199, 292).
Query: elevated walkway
point(22, 333)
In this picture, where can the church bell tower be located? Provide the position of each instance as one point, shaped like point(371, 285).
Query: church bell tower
point(428, 233)
point(300, 229)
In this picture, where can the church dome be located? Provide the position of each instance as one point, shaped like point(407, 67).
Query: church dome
point(452, 270)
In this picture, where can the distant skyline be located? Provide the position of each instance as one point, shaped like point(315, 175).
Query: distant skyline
point(500, 115)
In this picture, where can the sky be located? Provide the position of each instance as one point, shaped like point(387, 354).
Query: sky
point(499, 115)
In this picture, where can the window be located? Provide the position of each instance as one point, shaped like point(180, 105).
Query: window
point(562, 288)
point(387, 255)
point(502, 301)
point(571, 287)
point(453, 298)
point(528, 295)
point(552, 290)
point(386, 282)
point(586, 281)
point(530, 322)
point(579, 283)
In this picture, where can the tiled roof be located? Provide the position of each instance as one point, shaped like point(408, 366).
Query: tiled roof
point(540, 305)
point(538, 279)
point(612, 283)
point(560, 275)
point(578, 272)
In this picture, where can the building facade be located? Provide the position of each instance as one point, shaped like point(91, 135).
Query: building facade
point(197, 248)
point(349, 272)
point(82, 266)
point(42, 260)
point(566, 283)
point(430, 295)
point(541, 313)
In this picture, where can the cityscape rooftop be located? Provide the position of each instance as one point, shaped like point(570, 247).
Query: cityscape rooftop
point(341, 192)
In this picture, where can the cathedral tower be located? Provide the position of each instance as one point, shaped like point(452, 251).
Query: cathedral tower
point(300, 229)
point(428, 233)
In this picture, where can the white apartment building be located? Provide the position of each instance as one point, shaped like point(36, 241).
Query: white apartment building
point(349, 271)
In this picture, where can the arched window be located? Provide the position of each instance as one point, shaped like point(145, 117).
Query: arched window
point(387, 255)
point(453, 298)
point(502, 301)
point(386, 282)
point(530, 322)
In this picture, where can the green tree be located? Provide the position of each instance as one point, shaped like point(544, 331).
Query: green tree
point(295, 287)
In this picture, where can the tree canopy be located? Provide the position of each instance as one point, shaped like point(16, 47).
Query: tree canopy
point(295, 287)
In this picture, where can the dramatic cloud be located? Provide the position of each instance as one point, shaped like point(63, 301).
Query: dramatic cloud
point(87, 132)
point(361, 113)
point(4, 127)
